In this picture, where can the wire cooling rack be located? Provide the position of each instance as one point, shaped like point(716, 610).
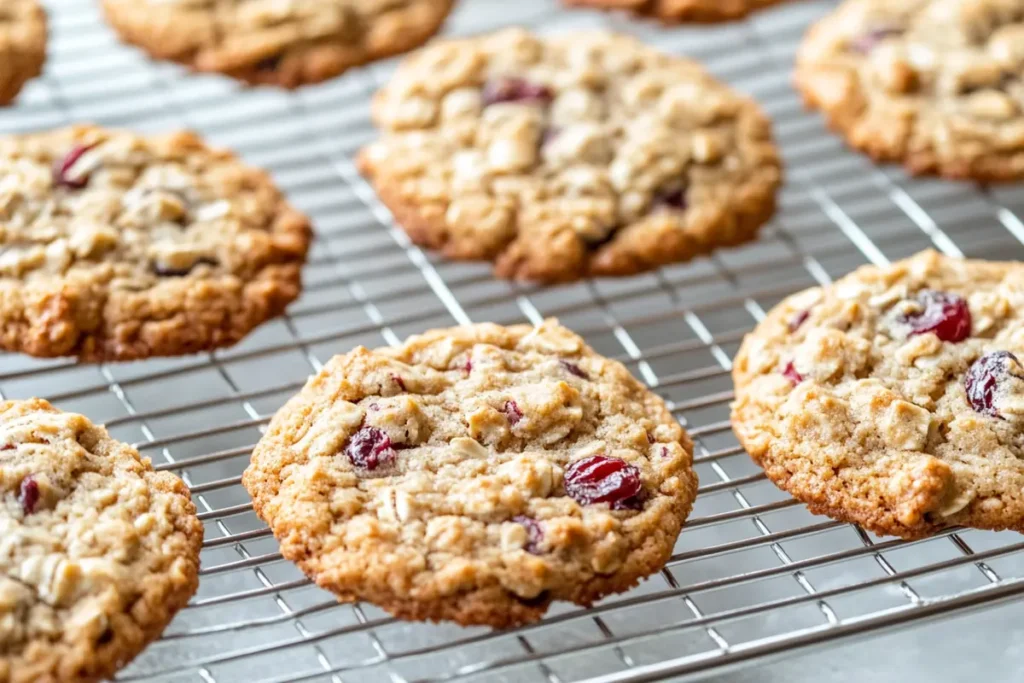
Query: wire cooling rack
point(753, 574)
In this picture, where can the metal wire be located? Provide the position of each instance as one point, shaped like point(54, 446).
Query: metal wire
point(753, 574)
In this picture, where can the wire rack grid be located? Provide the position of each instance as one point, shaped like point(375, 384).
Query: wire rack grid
point(753, 574)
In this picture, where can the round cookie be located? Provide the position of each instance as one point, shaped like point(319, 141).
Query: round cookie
point(677, 11)
point(558, 158)
point(935, 84)
point(280, 43)
point(99, 551)
point(22, 45)
point(894, 398)
point(475, 474)
point(120, 247)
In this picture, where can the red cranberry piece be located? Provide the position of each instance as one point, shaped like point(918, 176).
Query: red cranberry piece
point(370, 448)
point(512, 412)
point(573, 369)
point(534, 533)
point(797, 320)
point(468, 367)
point(399, 381)
point(790, 373)
point(601, 479)
point(515, 90)
point(944, 314)
point(870, 40)
point(650, 438)
point(676, 199)
point(7, 447)
point(63, 167)
point(164, 271)
point(983, 380)
point(28, 495)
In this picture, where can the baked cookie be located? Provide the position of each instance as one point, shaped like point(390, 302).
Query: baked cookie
point(99, 551)
point(119, 247)
point(935, 84)
point(676, 11)
point(22, 45)
point(558, 158)
point(475, 474)
point(894, 398)
point(280, 43)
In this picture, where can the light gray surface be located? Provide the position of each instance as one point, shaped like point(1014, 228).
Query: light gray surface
point(256, 619)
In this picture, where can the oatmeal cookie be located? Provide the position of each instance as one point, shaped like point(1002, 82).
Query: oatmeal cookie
point(475, 474)
point(558, 158)
point(676, 11)
point(120, 247)
point(99, 551)
point(22, 45)
point(935, 84)
point(271, 42)
point(894, 398)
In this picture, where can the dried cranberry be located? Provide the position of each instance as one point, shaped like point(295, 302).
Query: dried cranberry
point(983, 380)
point(601, 479)
point(534, 533)
point(28, 495)
point(164, 271)
point(573, 369)
point(370, 448)
point(468, 367)
point(512, 412)
point(944, 314)
point(63, 167)
point(870, 40)
point(650, 438)
point(790, 373)
point(515, 90)
point(797, 320)
point(7, 447)
point(399, 381)
point(675, 199)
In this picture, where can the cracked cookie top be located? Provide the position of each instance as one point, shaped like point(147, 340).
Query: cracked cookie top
point(98, 551)
point(117, 246)
point(936, 84)
point(475, 474)
point(894, 398)
point(22, 45)
point(562, 157)
point(286, 43)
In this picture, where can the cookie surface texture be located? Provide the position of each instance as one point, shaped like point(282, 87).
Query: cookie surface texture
point(894, 398)
point(937, 85)
point(22, 45)
point(276, 43)
point(120, 247)
point(99, 551)
point(474, 475)
point(675, 11)
point(558, 158)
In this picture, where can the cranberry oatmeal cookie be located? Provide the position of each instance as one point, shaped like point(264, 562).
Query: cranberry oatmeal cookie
point(287, 43)
point(120, 247)
point(675, 11)
point(475, 474)
point(936, 84)
point(99, 551)
point(894, 398)
point(22, 45)
point(558, 158)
